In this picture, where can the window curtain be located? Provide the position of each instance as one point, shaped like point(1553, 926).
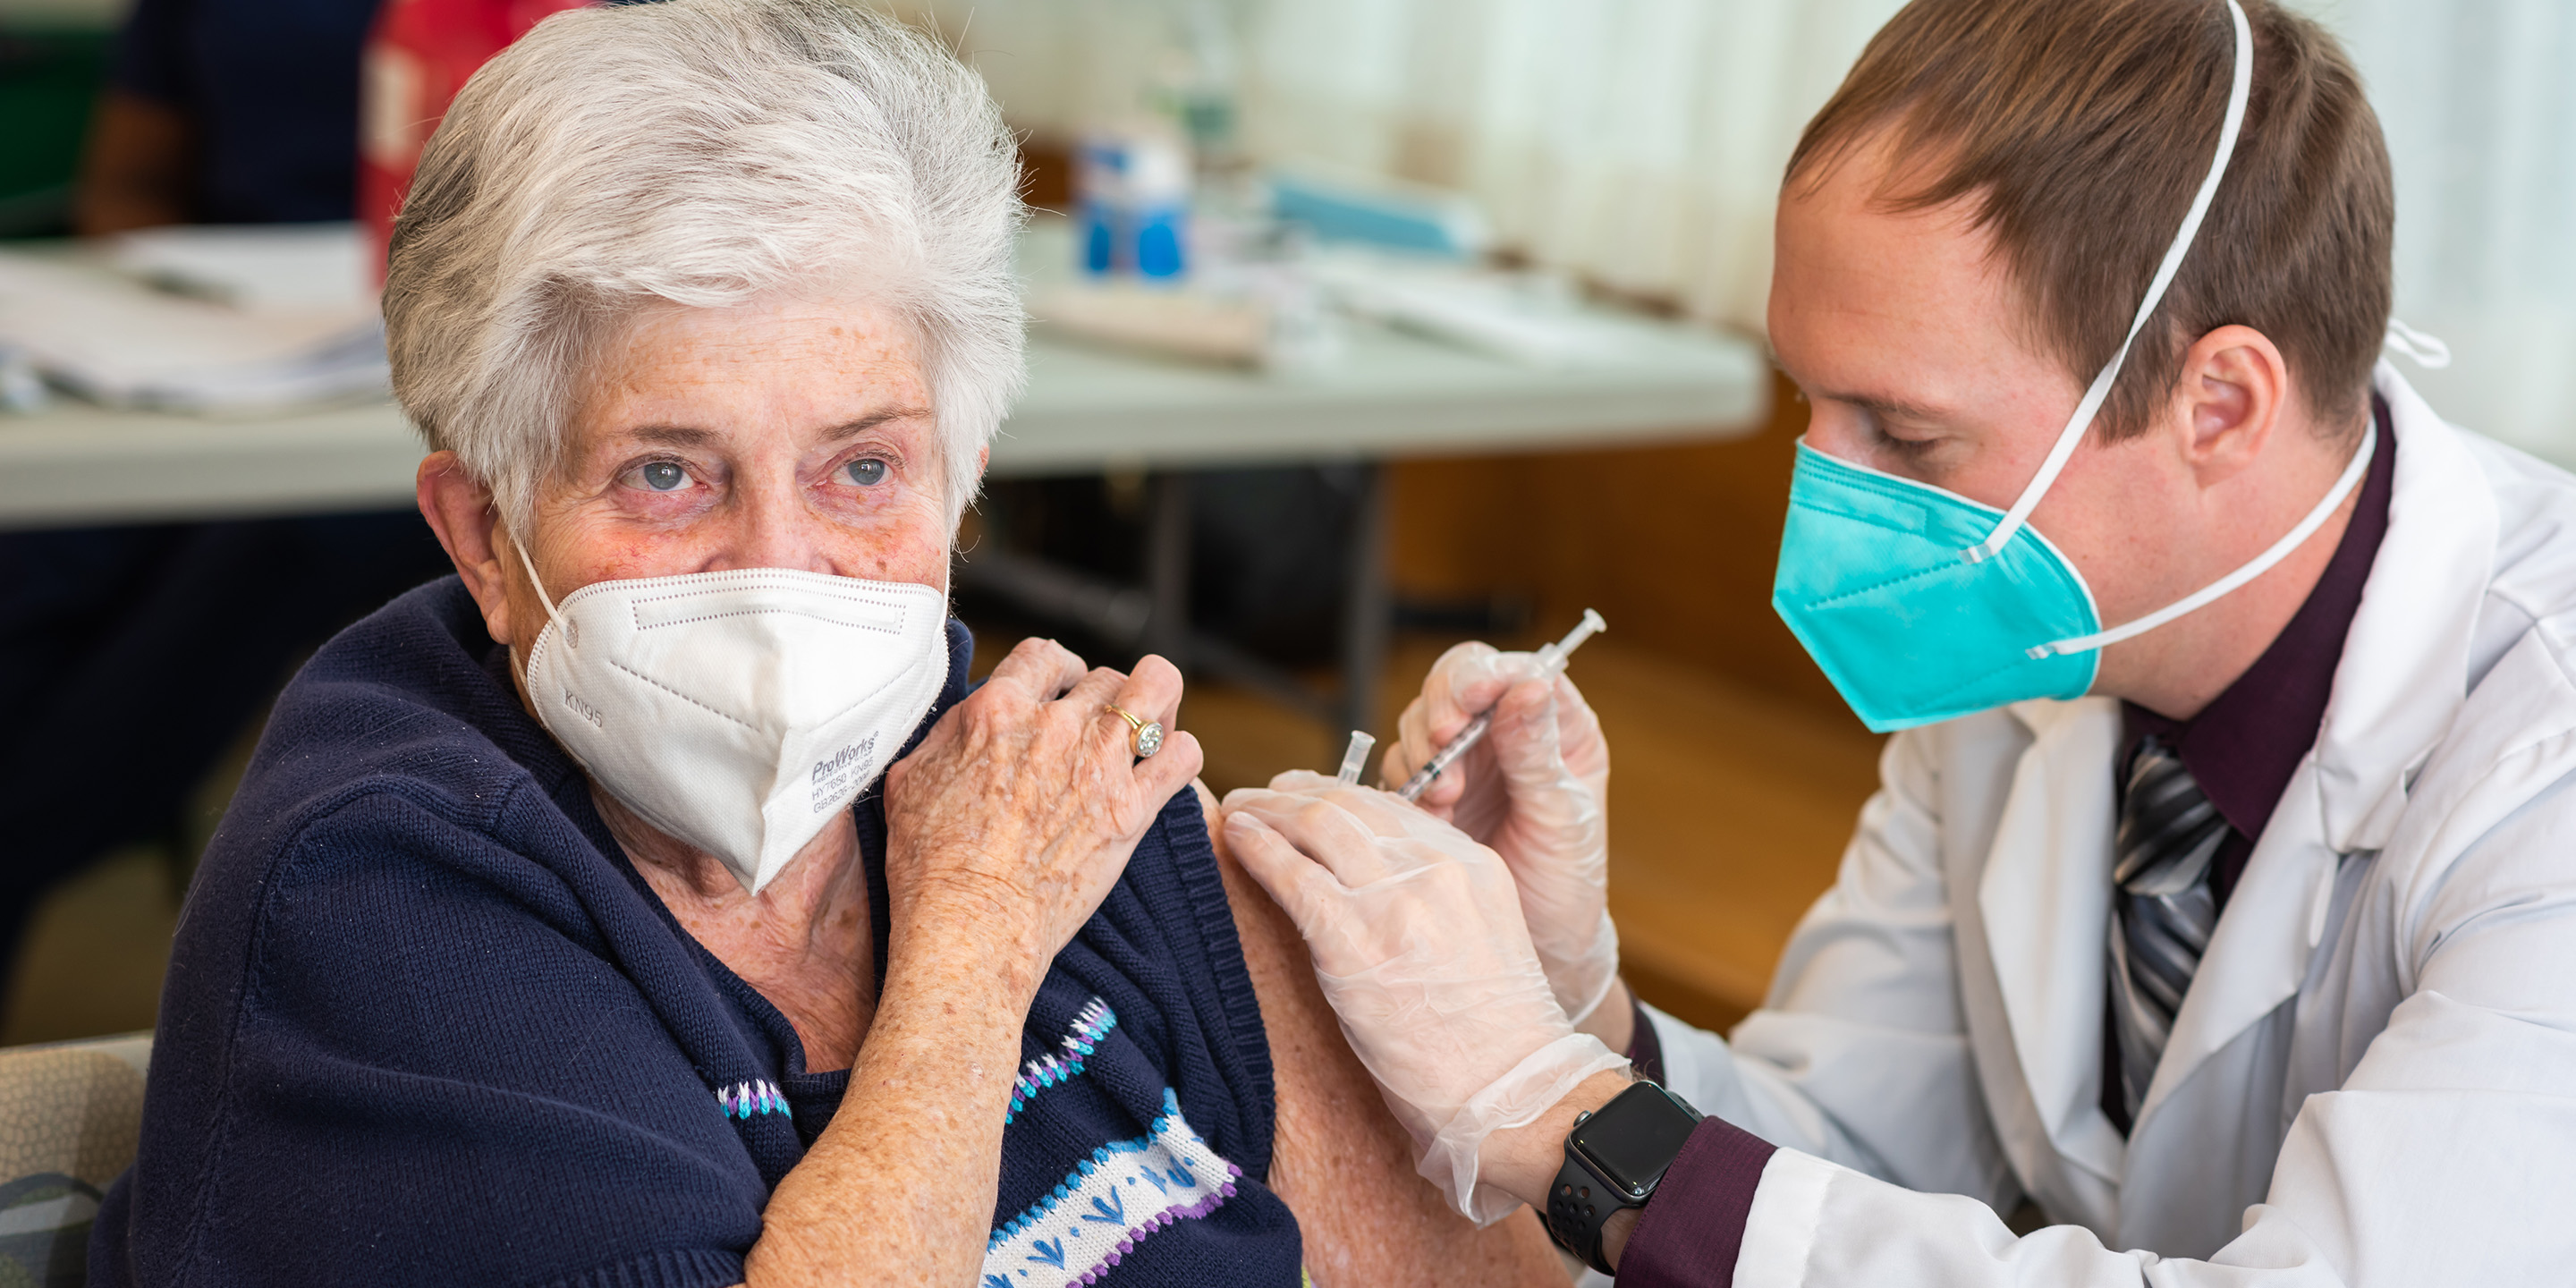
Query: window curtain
point(2478, 100)
point(1639, 143)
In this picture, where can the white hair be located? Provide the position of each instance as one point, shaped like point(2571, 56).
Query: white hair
point(703, 153)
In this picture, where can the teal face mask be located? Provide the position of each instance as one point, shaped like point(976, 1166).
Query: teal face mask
point(1922, 605)
point(1871, 580)
point(1880, 577)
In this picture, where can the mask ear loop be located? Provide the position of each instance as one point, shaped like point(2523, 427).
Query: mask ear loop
point(2239, 88)
point(2352, 476)
point(540, 584)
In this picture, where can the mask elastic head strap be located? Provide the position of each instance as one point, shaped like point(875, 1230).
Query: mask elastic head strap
point(2239, 88)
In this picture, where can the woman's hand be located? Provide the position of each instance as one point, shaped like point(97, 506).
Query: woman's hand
point(1004, 830)
point(1009, 823)
point(1537, 791)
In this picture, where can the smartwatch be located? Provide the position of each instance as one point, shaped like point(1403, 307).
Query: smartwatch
point(1614, 1159)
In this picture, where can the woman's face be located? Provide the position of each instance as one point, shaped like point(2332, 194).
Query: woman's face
point(773, 435)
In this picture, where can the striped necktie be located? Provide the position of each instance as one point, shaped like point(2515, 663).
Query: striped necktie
point(2163, 907)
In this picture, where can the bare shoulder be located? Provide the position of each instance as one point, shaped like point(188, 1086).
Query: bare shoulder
point(1338, 1157)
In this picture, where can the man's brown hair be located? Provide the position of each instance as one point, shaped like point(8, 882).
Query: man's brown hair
point(2079, 131)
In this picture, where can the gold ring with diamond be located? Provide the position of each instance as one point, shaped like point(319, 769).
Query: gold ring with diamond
point(1149, 733)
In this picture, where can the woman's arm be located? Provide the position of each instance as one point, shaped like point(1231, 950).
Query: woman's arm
point(1338, 1157)
point(905, 1174)
point(992, 864)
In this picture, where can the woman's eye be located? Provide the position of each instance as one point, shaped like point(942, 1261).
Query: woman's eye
point(866, 471)
point(659, 476)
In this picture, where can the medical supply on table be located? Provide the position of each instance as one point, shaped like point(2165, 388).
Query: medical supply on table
point(1551, 659)
point(1133, 203)
point(1374, 210)
point(1246, 301)
point(1355, 756)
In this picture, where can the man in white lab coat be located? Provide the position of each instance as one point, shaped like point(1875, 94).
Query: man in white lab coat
point(2238, 938)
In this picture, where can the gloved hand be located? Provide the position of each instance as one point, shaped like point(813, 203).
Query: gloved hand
point(1417, 939)
point(1537, 791)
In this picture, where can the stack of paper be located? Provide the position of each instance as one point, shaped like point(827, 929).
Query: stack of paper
point(271, 319)
point(254, 266)
point(1530, 321)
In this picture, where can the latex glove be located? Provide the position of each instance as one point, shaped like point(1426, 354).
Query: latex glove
point(1537, 791)
point(1416, 934)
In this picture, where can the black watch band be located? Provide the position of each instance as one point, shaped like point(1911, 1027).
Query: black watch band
point(1614, 1160)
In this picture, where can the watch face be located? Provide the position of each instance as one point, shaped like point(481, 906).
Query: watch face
point(1635, 1137)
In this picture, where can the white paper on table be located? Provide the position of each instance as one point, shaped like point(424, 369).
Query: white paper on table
point(253, 266)
point(1480, 310)
point(304, 340)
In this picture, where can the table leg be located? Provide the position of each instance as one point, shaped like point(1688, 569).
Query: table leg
point(1367, 610)
point(1156, 619)
point(1167, 570)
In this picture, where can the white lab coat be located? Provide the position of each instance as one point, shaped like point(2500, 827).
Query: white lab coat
point(2373, 1078)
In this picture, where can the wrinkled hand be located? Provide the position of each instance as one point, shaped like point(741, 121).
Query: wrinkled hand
point(1537, 790)
point(1417, 938)
point(1009, 823)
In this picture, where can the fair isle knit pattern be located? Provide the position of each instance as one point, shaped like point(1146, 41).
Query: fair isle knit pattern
point(743, 1099)
point(1125, 1191)
point(1080, 1039)
point(403, 785)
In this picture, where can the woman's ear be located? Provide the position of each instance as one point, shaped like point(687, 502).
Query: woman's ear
point(2230, 401)
point(459, 510)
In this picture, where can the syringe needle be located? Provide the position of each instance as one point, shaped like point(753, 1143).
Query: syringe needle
point(1551, 659)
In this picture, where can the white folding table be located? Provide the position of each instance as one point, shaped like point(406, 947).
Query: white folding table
point(1087, 411)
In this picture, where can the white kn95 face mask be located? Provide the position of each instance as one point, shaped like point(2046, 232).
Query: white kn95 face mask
point(738, 711)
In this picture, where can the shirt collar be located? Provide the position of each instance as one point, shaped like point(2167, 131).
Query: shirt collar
point(2243, 748)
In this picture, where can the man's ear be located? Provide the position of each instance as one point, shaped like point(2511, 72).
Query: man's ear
point(2232, 398)
point(459, 510)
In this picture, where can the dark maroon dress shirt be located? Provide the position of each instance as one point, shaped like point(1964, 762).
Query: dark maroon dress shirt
point(2242, 748)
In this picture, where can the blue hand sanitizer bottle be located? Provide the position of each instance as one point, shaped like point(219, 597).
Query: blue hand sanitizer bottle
point(1134, 207)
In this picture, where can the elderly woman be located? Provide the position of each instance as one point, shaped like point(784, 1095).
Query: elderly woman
point(653, 903)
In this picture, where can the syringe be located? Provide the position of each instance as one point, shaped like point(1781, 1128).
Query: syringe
point(1551, 659)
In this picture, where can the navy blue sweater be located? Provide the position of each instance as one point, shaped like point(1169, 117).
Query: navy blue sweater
point(425, 1023)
